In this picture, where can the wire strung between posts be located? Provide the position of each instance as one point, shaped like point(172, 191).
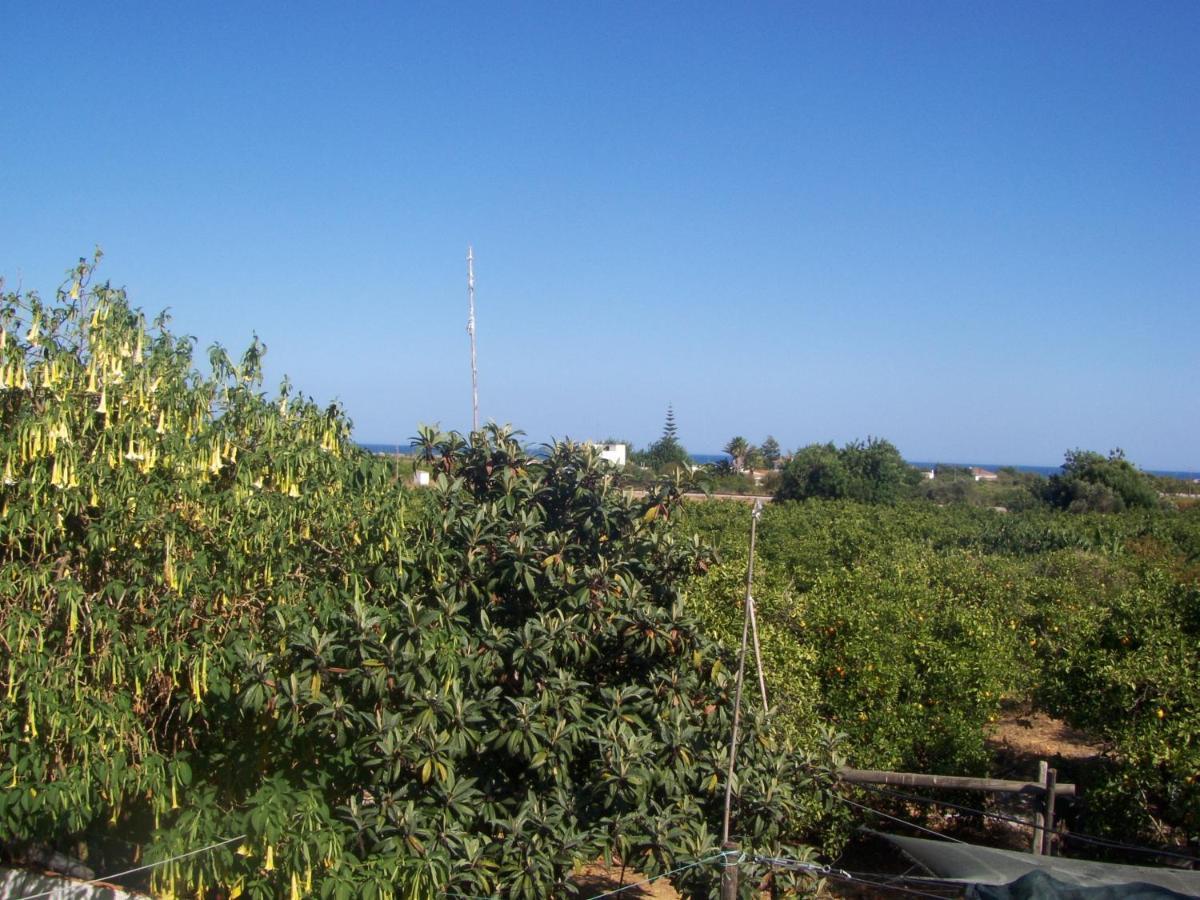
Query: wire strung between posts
point(782, 862)
point(869, 809)
point(901, 795)
point(1068, 835)
point(723, 856)
point(1121, 845)
point(889, 886)
point(864, 878)
point(153, 865)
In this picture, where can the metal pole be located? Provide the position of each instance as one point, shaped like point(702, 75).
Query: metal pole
point(471, 332)
point(755, 515)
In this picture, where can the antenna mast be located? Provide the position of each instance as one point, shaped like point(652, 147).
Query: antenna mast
point(471, 332)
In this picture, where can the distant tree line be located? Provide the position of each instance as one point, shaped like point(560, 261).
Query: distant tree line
point(873, 471)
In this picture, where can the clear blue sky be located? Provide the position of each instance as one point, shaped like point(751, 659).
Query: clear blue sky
point(971, 228)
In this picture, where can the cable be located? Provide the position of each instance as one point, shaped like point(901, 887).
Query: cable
point(865, 878)
point(785, 863)
point(1079, 836)
point(887, 886)
point(1121, 845)
point(724, 854)
point(107, 878)
point(936, 834)
point(920, 799)
point(626, 887)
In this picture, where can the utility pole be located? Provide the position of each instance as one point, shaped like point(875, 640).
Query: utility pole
point(471, 332)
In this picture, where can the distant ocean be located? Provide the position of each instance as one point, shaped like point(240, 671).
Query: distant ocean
point(1040, 470)
point(703, 459)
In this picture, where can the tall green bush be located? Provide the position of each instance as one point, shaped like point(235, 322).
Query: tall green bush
point(1091, 482)
point(218, 617)
point(871, 472)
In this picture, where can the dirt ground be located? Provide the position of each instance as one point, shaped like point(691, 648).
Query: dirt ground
point(1035, 735)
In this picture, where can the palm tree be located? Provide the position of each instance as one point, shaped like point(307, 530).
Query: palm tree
point(738, 448)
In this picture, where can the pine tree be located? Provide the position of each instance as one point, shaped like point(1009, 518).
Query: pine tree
point(771, 452)
point(667, 452)
point(670, 429)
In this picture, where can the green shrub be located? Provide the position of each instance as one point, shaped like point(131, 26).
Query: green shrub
point(1091, 482)
point(219, 617)
point(872, 472)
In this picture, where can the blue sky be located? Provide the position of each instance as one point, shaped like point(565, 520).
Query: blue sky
point(973, 229)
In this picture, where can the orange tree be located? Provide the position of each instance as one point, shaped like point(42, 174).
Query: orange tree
point(906, 651)
point(908, 628)
point(220, 618)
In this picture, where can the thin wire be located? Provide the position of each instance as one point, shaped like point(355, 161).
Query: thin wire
point(692, 865)
point(888, 886)
point(1080, 836)
point(683, 868)
point(945, 837)
point(1121, 845)
point(901, 795)
point(785, 863)
point(107, 878)
point(886, 876)
point(866, 878)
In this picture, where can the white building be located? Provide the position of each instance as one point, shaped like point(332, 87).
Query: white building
point(614, 453)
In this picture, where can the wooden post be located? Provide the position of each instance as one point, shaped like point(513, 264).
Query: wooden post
point(1039, 817)
point(1048, 832)
point(729, 872)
